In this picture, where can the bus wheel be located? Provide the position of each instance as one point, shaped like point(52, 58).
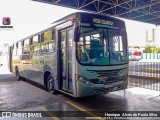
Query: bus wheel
point(18, 77)
point(50, 85)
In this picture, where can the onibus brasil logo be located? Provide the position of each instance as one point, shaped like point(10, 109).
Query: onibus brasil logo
point(6, 23)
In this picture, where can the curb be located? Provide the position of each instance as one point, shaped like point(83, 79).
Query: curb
point(144, 77)
point(150, 71)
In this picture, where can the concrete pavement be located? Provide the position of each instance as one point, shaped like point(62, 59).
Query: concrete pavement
point(23, 96)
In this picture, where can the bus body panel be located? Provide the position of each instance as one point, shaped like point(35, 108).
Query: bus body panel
point(86, 80)
point(101, 77)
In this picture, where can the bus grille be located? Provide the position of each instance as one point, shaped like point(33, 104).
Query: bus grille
point(108, 73)
point(112, 75)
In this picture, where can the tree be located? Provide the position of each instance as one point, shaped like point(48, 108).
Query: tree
point(137, 47)
point(150, 48)
point(158, 50)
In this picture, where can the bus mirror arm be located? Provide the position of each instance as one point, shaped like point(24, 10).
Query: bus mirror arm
point(77, 34)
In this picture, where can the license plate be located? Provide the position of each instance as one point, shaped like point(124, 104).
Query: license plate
point(108, 86)
point(115, 88)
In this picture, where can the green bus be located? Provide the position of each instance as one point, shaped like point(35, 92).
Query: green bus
point(82, 54)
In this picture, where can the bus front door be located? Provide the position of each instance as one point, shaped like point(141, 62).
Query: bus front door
point(65, 61)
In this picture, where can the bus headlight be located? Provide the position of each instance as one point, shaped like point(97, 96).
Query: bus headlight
point(84, 80)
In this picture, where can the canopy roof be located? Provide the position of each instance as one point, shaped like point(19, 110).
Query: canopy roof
point(147, 11)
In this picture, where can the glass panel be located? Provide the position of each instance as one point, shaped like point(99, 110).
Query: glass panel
point(70, 44)
point(35, 39)
point(26, 47)
point(14, 49)
point(48, 35)
point(26, 42)
point(19, 50)
point(101, 46)
point(117, 53)
point(25, 50)
point(63, 47)
point(36, 45)
point(44, 47)
point(49, 42)
point(51, 46)
point(63, 59)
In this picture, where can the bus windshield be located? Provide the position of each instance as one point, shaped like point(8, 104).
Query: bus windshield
point(102, 46)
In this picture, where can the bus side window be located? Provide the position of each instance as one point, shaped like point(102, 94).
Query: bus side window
point(49, 41)
point(26, 46)
point(14, 49)
point(52, 46)
point(19, 48)
point(36, 44)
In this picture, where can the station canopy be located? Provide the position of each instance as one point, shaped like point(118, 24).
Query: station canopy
point(147, 11)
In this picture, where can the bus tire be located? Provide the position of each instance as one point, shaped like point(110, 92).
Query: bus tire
point(18, 77)
point(50, 85)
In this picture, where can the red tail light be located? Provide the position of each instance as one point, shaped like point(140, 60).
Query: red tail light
point(137, 53)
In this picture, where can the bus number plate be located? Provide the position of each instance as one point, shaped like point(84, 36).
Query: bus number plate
point(108, 86)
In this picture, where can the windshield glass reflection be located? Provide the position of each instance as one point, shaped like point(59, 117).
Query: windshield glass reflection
point(101, 46)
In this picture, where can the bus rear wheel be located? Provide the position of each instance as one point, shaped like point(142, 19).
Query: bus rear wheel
point(50, 85)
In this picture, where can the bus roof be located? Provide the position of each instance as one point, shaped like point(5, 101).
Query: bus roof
point(71, 17)
point(76, 14)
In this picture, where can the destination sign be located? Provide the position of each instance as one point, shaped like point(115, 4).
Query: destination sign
point(101, 21)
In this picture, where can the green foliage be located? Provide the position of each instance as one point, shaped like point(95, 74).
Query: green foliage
point(63, 34)
point(136, 47)
point(152, 49)
point(32, 49)
point(158, 50)
point(130, 46)
point(48, 35)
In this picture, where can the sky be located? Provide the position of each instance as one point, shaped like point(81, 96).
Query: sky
point(29, 17)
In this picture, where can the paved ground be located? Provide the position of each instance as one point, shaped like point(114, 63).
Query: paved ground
point(23, 96)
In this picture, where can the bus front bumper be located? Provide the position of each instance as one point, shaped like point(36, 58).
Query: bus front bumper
point(85, 90)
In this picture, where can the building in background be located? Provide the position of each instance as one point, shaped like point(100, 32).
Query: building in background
point(150, 37)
